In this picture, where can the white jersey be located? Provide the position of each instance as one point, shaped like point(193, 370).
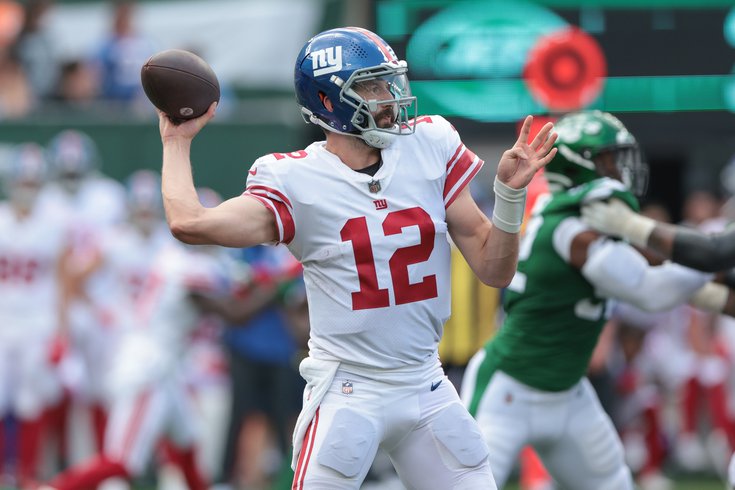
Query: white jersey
point(99, 201)
point(375, 250)
point(30, 250)
point(128, 257)
point(165, 316)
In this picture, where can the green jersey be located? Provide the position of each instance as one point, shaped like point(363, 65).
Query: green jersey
point(553, 316)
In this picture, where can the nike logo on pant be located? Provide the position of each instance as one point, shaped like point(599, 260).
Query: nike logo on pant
point(436, 385)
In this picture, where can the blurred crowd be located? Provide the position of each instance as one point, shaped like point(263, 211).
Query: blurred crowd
point(34, 76)
point(118, 342)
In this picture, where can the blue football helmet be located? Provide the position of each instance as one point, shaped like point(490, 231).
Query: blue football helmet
point(347, 65)
point(72, 152)
point(26, 173)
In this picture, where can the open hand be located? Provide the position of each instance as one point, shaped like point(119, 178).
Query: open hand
point(519, 164)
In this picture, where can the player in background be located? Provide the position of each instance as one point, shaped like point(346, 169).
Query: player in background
point(34, 272)
point(527, 384)
point(79, 185)
point(118, 259)
point(149, 391)
point(367, 212)
point(89, 202)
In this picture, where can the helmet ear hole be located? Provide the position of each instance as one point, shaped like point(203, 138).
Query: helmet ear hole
point(326, 102)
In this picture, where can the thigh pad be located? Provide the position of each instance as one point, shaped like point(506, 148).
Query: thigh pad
point(457, 431)
point(349, 443)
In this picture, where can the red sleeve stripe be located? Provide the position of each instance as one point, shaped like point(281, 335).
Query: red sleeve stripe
point(282, 215)
point(457, 167)
point(454, 157)
point(268, 192)
point(460, 175)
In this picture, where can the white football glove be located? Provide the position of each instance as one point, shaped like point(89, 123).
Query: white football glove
point(617, 219)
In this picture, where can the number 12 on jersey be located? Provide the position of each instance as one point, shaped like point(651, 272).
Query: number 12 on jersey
point(370, 295)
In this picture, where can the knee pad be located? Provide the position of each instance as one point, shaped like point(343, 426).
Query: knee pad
point(349, 445)
point(459, 434)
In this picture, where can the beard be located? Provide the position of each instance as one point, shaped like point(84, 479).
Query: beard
point(386, 118)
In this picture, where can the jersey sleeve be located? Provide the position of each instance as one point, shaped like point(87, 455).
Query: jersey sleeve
point(264, 184)
point(460, 162)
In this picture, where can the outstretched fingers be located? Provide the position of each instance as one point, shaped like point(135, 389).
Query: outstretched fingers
point(546, 159)
point(525, 131)
point(542, 136)
point(548, 144)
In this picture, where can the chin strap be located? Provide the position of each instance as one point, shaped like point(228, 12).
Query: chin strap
point(377, 139)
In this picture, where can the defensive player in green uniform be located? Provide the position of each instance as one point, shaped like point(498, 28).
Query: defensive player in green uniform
point(527, 385)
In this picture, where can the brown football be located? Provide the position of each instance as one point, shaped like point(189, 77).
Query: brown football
point(179, 83)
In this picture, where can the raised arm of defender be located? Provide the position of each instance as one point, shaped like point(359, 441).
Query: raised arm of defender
point(692, 248)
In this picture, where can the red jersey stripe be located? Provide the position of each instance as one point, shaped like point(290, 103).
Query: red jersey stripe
point(469, 178)
point(454, 157)
point(263, 190)
point(305, 456)
point(461, 167)
point(284, 221)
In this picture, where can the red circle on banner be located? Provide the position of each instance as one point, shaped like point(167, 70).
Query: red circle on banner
point(565, 70)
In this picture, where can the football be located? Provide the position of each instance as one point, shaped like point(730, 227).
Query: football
point(179, 83)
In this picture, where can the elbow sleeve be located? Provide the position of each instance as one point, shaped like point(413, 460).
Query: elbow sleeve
point(709, 253)
point(617, 270)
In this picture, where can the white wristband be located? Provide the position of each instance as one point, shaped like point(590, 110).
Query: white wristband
point(711, 297)
point(638, 229)
point(510, 205)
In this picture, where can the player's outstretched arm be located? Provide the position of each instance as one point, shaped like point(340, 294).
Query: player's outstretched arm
point(237, 222)
point(692, 248)
point(491, 246)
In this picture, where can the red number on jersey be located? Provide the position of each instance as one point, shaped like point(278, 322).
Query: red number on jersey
point(18, 269)
point(293, 154)
point(369, 295)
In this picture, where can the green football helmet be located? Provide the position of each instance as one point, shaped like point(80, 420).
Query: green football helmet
point(594, 144)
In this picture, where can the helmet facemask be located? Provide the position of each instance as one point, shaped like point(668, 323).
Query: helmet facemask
point(380, 91)
point(626, 164)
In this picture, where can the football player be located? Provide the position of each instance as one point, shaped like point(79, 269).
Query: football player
point(527, 384)
point(368, 213)
point(34, 257)
point(148, 383)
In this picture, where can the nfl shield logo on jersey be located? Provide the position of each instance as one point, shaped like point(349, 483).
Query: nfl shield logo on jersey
point(346, 387)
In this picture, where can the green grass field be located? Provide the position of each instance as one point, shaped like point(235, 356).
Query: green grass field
point(688, 483)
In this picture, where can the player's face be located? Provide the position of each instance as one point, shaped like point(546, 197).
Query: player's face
point(378, 90)
point(606, 163)
point(23, 193)
point(71, 181)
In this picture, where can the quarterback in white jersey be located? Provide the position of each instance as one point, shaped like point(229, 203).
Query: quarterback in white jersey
point(368, 213)
point(395, 239)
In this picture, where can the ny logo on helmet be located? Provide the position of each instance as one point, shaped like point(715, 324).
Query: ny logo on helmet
point(327, 60)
